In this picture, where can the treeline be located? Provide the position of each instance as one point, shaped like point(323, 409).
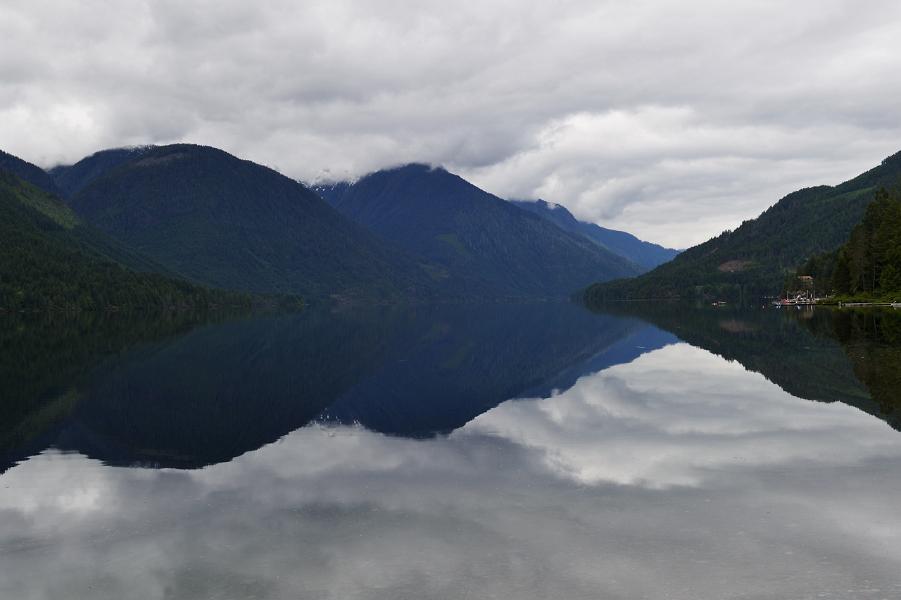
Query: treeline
point(868, 265)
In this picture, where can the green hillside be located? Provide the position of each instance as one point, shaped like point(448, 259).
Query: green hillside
point(755, 259)
point(50, 260)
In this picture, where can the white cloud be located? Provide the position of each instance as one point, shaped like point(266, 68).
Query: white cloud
point(671, 119)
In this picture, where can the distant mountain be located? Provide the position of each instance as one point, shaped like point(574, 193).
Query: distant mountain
point(754, 259)
point(33, 174)
point(482, 244)
point(645, 254)
point(50, 260)
point(230, 223)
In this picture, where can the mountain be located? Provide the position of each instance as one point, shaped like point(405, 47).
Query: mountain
point(645, 254)
point(50, 259)
point(26, 171)
point(483, 245)
point(230, 223)
point(754, 259)
point(70, 179)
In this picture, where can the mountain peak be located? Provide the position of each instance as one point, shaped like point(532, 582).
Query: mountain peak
point(33, 174)
point(544, 204)
point(482, 244)
point(413, 167)
point(227, 222)
point(70, 179)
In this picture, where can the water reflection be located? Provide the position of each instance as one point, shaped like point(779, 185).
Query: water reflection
point(827, 355)
point(45, 362)
point(675, 420)
point(228, 388)
point(676, 475)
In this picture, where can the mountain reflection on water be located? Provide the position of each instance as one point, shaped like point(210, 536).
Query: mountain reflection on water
point(224, 389)
point(824, 354)
point(529, 452)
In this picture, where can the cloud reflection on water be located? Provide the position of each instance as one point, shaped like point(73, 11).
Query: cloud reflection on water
point(666, 419)
point(679, 475)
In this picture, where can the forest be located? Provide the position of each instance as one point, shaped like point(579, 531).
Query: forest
point(868, 265)
point(50, 260)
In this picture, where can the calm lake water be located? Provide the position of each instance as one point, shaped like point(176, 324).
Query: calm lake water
point(512, 452)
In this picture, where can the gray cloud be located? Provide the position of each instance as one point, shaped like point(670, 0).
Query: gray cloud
point(671, 119)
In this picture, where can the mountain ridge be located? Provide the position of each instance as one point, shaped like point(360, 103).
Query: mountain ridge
point(485, 244)
point(647, 255)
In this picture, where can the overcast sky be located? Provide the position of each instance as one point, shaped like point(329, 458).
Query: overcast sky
point(673, 120)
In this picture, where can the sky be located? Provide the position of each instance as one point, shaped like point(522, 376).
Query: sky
point(673, 120)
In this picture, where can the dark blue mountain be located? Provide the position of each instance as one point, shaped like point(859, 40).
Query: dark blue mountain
point(215, 219)
point(481, 244)
point(645, 254)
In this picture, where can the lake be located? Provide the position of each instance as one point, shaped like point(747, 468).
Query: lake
point(525, 451)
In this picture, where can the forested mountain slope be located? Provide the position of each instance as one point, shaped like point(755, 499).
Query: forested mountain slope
point(50, 260)
point(868, 265)
point(71, 179)
point(755, 258)
point(26, 171)
point(483, 245)
point(234, 224)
